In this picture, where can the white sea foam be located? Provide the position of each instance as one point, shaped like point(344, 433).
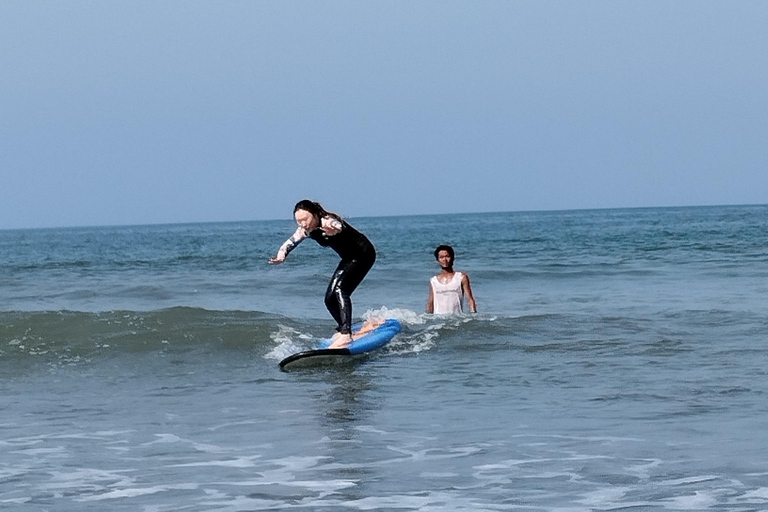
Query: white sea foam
point(756, 496)
point(604, 497)
point(134, 492)
point(690, 480)
point(405, 316)
point(237, 462)
point(699, 500)
point(214, 428)
point(288, 341)
point(371, 429)
point(644, 468)
point(428, 501)
point(227, 503)
point(90, 479)
point(173, 438)
point(16, 501)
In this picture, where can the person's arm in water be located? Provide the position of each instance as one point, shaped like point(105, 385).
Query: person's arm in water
point(431, 300)
point(289, 245)
point(468, 294)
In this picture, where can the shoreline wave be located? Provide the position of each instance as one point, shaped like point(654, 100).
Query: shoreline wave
point(61, 337)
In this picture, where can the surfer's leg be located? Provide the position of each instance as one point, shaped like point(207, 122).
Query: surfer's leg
point(337, 301)
point(340, 306)
point(345, 280)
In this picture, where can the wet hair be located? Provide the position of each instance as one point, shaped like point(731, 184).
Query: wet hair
point(314, 208)
point(446, 248)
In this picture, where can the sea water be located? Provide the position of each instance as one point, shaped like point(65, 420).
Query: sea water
point(619, 361)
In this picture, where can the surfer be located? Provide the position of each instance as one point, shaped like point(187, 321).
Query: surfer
point(448, 288)
point(357, 257)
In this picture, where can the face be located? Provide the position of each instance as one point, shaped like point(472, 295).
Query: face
point(306, 220)
point(444, 259)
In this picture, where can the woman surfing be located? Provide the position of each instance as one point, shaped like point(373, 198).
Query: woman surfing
point(357, 257)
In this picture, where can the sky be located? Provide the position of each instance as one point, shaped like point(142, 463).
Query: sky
point(151, 112)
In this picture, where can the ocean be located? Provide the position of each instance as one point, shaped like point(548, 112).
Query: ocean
point(618, 361)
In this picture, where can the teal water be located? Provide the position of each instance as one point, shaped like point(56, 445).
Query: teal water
point(618, 361)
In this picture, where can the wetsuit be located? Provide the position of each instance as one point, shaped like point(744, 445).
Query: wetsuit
point(357, 257)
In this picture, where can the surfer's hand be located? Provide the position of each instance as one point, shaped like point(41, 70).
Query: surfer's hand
point(330, 226)
point(276, 260)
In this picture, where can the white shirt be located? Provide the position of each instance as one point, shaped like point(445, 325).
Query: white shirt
point(447, 298)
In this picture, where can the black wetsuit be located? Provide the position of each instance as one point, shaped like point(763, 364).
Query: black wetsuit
point(357, 257)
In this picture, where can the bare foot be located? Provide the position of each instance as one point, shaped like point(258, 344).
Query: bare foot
point(340, 340)
point(367, 327)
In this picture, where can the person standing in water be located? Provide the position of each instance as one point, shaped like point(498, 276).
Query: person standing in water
point(357, 257)
point(448, 288)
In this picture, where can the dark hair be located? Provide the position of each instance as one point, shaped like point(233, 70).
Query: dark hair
point(446, 248)
point(314, 208)
point(311, 207)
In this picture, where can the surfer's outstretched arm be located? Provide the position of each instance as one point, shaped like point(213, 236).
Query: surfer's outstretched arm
point(289, 245)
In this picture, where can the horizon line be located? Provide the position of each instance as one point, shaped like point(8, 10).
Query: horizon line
point(245, 221)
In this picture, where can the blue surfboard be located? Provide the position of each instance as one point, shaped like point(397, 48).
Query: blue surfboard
point(371, 340)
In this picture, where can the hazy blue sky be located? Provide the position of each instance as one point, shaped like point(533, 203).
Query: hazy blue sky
point(132, 112)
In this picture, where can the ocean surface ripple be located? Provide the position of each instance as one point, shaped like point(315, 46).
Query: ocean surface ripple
point(619, 362)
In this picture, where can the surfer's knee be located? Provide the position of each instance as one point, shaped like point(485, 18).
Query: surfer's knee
point(334, 296)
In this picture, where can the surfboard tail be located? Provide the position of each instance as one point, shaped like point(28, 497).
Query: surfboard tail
point(312, 357)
